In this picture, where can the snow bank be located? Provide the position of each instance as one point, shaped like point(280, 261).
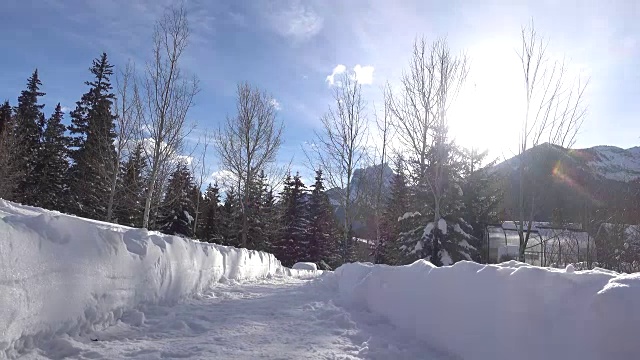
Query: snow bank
point(305, 266)
point(504, 311)
point(61, 274)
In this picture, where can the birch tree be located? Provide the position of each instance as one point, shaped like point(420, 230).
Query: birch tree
point(340, 148)
point(167, 97)
point(248, 144)
point(554, 113)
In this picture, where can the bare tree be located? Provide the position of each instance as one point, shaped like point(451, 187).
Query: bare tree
point(249, 142)
point(340, 147)
point(201, 170)
point(167, 97)
point(554, 113)
point(127, 125)
point(420, 109)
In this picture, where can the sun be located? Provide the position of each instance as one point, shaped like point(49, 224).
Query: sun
point(486, 113)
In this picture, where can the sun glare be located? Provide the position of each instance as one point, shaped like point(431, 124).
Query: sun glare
point(491, 102)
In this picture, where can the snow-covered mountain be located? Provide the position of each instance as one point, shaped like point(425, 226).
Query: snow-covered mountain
point(613, 162)
point(572, 180)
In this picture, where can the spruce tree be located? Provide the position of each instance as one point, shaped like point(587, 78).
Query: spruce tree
point(179, 203)
point(292, 246)
point(397, 205)
point(28, 130)
point(271, 221)
point(130, 191)
point(449, 239)
point(93, 151)
point(322, 232)
point(6, 115)
point(210, 225)
point(10, 173)
point(52, 164)
point(230, 216)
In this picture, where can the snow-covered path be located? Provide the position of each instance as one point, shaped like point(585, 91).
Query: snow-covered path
point(280, 318)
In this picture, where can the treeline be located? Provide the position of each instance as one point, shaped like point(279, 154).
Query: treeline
point(121, 159)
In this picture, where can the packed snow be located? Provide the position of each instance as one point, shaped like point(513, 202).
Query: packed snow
point(61, 274)
point(305, 266)
point(505, 311)
point(77, 288)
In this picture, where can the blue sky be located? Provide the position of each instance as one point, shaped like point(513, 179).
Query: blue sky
point(290, 47)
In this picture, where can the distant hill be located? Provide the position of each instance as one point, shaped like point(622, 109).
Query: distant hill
point(574, 180)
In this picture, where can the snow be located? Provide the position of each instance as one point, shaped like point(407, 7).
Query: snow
point(615, 163)
point(408, 215)
point(442, 225)
point(305, 266)
point(475, 311)
point(64, 275)
point(275, 318)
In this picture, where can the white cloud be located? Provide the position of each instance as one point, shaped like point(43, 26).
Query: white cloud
point(65, 109)
point(276, 104)
point(364, 74)
point(339, 69)
point(297, 21)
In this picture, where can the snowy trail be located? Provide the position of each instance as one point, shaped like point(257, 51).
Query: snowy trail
point(280, 318)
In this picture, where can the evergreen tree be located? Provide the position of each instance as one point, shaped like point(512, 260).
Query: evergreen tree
point(131, 186)
point(179, 203)
point(320, 243)
point(6, 115)
point(210, 228)
point(271, 221)
point(93, 152)
point(449, 239)
point(482, 194)
point(230, 216)
point(255, 236)
point(52, 165)
point(397, 205)
point(292, 246)
point(10, 173)
point(28, 130)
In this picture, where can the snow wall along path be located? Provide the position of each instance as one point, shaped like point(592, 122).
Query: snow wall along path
point(61, 274)
point(506, 311)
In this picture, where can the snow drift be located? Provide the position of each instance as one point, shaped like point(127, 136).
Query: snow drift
point(61, 274)
point(504, 311)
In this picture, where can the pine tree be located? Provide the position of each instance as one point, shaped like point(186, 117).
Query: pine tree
point(210, 228)
point(93, 152)
point(322, 232)
point(51, 164)
point(179, 203)
point(397, 205)
point(130, 191)
point(28, 130)
point(255, 236)
point(292, 247)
